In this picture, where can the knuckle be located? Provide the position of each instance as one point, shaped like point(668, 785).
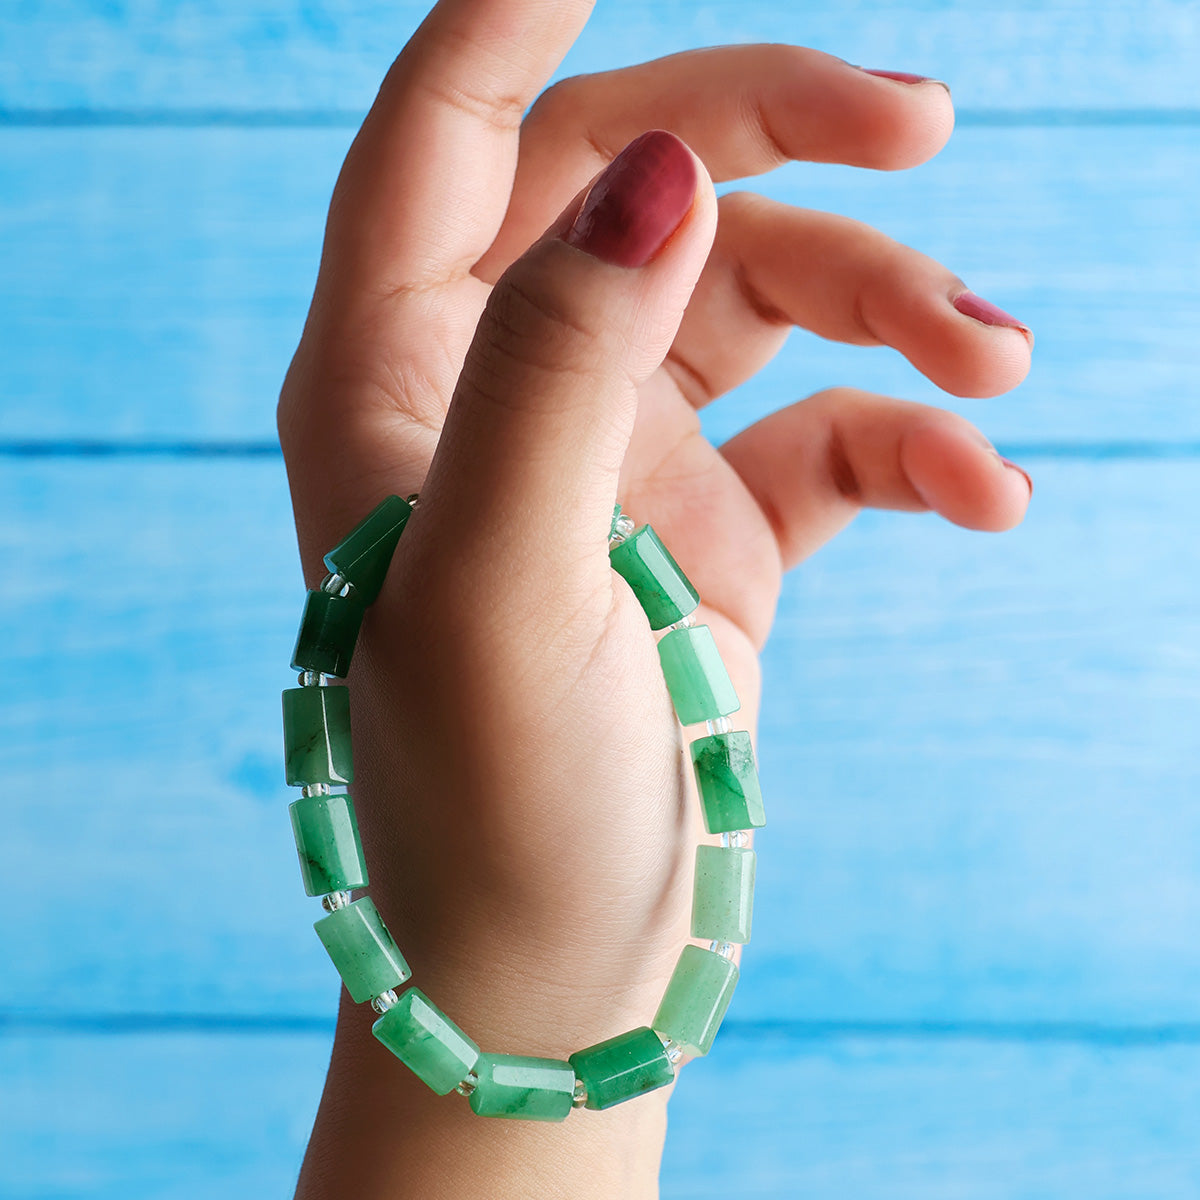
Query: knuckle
point(532, 329)
point(568, 107)
point(559, 101)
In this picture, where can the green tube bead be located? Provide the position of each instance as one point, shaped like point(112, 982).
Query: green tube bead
point(328, 630)
point(362, 949)
point(364, 554)
point(727, 779)
point(316, 735)
point(723, 893)
point(623, 1067)
point(328, 845)
point(662, 589)
point(700, 687)
point(422, 1037)
point(695, 1001)
point(534, 1089)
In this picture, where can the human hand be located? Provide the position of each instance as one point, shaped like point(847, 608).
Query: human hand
point(525, 812)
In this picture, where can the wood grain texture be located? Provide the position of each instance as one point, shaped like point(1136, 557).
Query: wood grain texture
point(182, 1117)
point(288, 54)
point(978, 755)
point(153, 282)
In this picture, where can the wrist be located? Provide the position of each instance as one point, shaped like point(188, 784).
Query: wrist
point(381, 1133)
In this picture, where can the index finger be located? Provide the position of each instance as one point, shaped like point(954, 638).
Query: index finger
point(426, 182)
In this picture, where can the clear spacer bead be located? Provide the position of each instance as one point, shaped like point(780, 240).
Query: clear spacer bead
point(580, 1097)
point(313, 679)
point(384, 1001)
point(412, 500)
point(671, 1046)
point(334, 901)
point(468, 1085)
point(337, 585)
point(624, 526)
point(738, 839)
point(315, 789)
point(724, 949)
point(720, 725)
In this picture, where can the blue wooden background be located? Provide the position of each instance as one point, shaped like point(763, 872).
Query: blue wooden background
point(976, 969)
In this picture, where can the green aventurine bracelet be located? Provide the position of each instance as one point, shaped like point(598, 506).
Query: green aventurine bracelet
point(316, 731)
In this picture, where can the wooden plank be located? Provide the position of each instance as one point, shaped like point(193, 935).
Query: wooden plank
point(292, 55)
point(153, 282)
point(902, 1120)
point(979, 754)
point(184, 1117)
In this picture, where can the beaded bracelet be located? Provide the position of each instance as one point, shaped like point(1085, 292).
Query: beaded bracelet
point(316, 725)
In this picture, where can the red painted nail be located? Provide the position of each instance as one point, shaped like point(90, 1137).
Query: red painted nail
point(984, 311)
point(899, 76)
point(638, 202)
point(1012, 466)
point(905, 77)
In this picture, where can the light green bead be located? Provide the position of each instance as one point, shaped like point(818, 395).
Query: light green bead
point(695, 1001)
point(328, 845)
point(422, 1037)
point(700, 687)
point(364, 555)
point(727, 779)
point(623, 1067)
point(316, 735)
point(662, 589)
point(534, 1089)
point(362, 949)
point(723, 893)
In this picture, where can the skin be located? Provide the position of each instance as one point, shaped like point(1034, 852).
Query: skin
point(521, 788)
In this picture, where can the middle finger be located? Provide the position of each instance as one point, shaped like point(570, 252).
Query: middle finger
point(744, 110)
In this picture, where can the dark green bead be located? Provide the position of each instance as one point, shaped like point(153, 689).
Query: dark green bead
point(328, 845)
point(662, 589)
point(422, 1037)
point(723, 893)
point(316, 735)
point(364, 952)
point(623, 1067)
point(534, 1089)
point(696, 999)
point(727, 778)
point(328, 631)
point(363, 556)
point(700, 687)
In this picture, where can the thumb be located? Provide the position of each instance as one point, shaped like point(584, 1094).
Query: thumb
point(526, 469)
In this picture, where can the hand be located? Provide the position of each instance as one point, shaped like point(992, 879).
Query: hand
point(482, 333)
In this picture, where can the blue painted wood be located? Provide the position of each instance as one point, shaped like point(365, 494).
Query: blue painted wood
point(153, 282)
point(978, 754)
point(302, 56)
point(182, 1117)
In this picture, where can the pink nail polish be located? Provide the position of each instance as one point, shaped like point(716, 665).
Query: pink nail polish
point(985, 312)
point(902, 76)
point(1012, 466)
point(638, 202)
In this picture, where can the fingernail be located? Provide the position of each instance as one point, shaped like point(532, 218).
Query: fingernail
point(1012, 466)
point(905, 77)
point(983, 441)
point(984, 311)
point(638, 202)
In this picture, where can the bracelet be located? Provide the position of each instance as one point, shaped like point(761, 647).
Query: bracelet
point(317, 754)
